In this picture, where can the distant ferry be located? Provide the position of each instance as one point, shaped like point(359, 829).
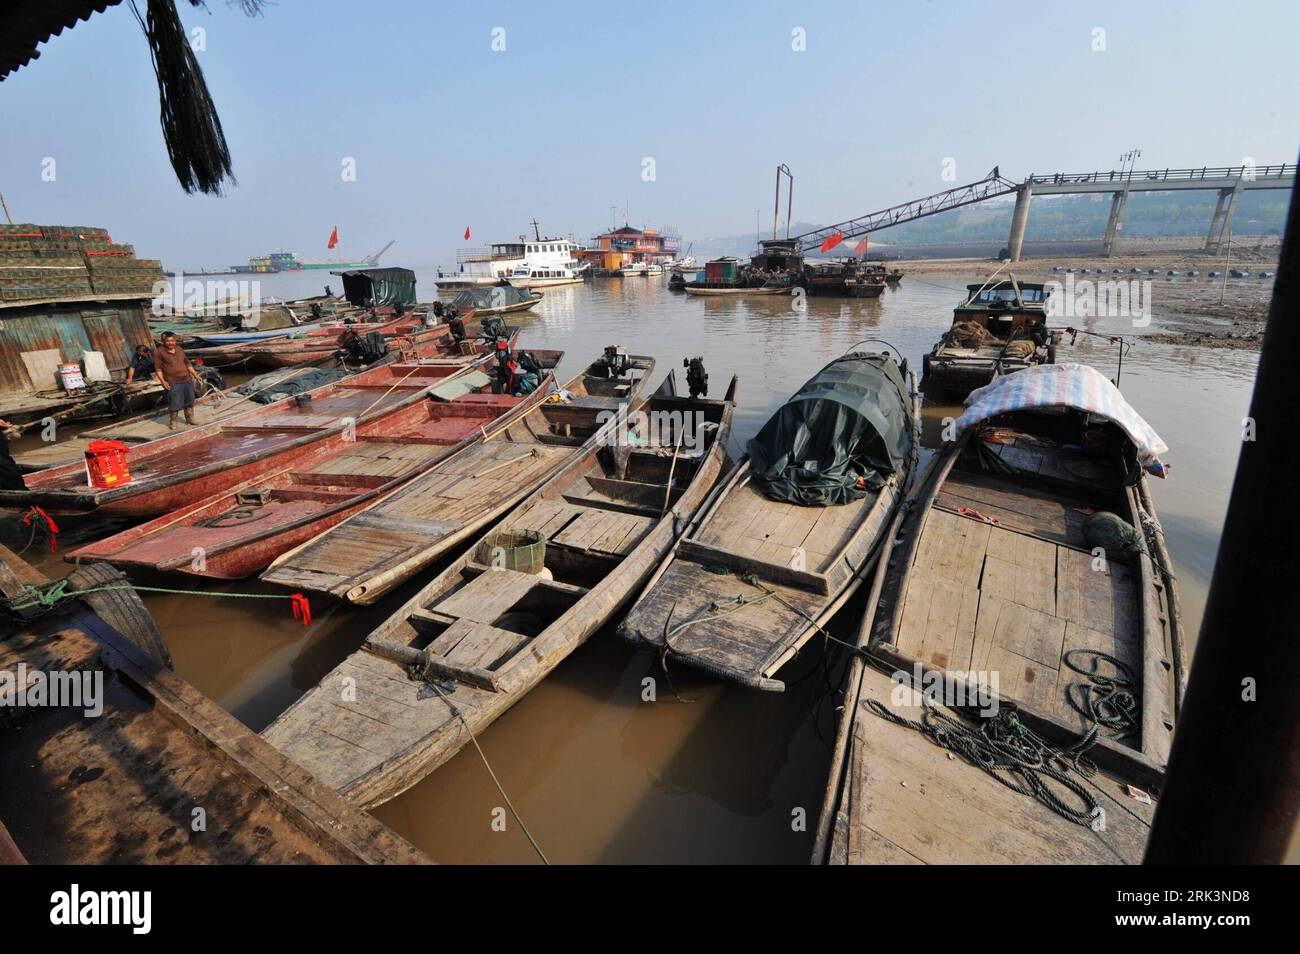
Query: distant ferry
point(290, 262)
point(524, 264)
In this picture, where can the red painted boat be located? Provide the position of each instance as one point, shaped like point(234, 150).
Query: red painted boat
point(195, 463)
point(318, 348)
point(241, 530)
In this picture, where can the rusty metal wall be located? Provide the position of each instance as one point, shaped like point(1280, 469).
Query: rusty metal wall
point(111, 327)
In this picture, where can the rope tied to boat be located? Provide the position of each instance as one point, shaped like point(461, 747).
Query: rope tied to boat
point(423, 673)
point(38, 520)
point(45, 597)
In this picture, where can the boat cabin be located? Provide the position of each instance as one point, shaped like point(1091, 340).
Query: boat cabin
point(777, 255)
point(364, 287)
point(1007, 309)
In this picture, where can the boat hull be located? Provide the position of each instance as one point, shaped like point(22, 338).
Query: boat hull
point(692, 289)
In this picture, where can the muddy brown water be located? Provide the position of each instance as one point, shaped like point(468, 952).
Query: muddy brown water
point(706, 772)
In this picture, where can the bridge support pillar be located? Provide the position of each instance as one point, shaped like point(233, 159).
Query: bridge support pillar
point(1115, 222)
point(1221, 223)
point(1019, 217)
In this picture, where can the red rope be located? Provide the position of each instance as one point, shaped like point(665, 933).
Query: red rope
point(301, 608)
point(51, 527)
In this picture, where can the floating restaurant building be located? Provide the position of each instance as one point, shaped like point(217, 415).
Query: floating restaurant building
point(628, 246)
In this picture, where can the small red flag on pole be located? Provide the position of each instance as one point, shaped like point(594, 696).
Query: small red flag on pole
point(334, 238)
point(467, 233)
point(861, 248)
point(831, 242)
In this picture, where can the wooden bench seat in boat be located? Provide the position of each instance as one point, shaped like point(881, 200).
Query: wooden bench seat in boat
point(583, 411)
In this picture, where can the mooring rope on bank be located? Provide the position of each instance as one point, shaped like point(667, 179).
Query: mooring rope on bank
point(488, 765)
point(46, 597)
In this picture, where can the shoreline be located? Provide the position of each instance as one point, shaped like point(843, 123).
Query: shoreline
point(1189, 310)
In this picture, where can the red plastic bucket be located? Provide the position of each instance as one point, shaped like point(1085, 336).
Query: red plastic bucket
point(106, 464)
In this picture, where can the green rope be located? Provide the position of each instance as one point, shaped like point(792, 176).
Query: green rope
point(1008, 750)
point(49, 596)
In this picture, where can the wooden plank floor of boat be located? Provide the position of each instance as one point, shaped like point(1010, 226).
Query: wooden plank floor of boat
point(124, 787)
point(1016, 597)
point(908, 801)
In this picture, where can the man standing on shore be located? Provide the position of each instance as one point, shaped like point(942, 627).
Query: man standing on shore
point(11, 477)
point(178, 378)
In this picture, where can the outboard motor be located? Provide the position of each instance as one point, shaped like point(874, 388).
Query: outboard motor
point(316, 313)
point(362, 349)
point(697, 379)
point(494, 329)
point(614, 361)
point(505, 369)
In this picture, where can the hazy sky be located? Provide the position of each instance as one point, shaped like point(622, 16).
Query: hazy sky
point(446, 132)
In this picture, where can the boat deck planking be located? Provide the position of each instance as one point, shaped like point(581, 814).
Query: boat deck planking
point(123, 787)
point(812, 557)
point(367, 555)
point(909, 803)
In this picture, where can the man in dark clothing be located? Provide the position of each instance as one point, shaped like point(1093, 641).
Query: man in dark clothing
point(141, 364)
point(11, 478)
point(178, 378)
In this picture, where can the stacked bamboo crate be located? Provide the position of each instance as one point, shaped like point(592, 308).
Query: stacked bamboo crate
point(59, 261)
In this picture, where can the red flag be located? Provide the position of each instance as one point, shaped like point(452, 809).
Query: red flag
point(334, 238)
point(861, 248)
point(467, 233)
point(834, 240)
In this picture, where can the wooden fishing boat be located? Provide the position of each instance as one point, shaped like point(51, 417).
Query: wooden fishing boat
point(497, 300)
point(122, 787)
point(700, 288)
point(319, 346)
point(490, 628)
point(863, 288)
point(245, 337)
point(194, 463)
point(151, 425)
point(208, 408)
point(241, 530)
point(999, 329)
point(367, 555)
point(759, 572)
point(994, 593)
point(231, 354)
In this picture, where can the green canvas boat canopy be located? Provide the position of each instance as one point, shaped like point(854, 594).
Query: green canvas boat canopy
point(841, 435)
point(498, 296)
point(378, 286)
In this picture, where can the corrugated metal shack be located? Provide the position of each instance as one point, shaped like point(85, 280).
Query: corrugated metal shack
point(111, 327)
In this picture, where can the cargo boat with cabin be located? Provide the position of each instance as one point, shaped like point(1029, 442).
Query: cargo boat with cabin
point(999, 329)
